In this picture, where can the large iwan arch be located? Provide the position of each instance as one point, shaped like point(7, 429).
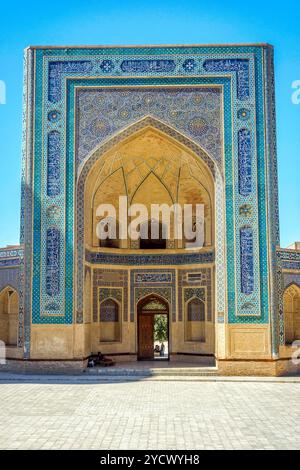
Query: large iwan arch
point(148, 163)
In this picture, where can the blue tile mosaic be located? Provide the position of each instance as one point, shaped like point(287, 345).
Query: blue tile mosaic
point(109, 311)
point(56, 69)
point(53, 164)
point(146, 65)
point(246, 247)
point(243, 66)
point(243, 114)
point(240, 66)
point(54, 116)
point(102, 112)
point(166, 290)
point(143, 259)
point(189, 65)
point(153, 277)
point(107, 66)
point(53, 262)
point(245, 162)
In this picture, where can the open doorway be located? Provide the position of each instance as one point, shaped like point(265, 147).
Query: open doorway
point(153, 329)
point(161, 336)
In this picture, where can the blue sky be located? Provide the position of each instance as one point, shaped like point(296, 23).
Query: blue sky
point(149, 22)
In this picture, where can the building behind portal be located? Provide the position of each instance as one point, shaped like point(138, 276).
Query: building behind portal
point(158, 124)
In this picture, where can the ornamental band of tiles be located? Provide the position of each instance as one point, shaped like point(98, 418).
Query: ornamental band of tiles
point(215, 105)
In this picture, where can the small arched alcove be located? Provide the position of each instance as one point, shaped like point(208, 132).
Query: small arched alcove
point(9, 308)
point(291, 308)
point(110, 321)
point(195, 320)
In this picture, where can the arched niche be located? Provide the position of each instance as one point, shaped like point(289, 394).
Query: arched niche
point(110, 321)
point(195, 320)
point(9, 308)
point(291, 308)
point(151, 134)
point(148, 168)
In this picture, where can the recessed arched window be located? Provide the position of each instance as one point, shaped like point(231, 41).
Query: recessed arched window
point(9, 308)
point(195, 320)
point(291, 307)
point(110, 327)
point(153, 236)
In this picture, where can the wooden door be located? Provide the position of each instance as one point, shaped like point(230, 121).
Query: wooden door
point(145, 336)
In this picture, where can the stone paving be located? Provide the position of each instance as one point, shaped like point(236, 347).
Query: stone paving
point(141, 414)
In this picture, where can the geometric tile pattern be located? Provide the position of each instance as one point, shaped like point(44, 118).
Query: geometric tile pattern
point(288, 273)
point(152, 285)
point(144, 259)
point(291, 278)
point(201, 288)
point(109, 284)
point(196, 309)
point(102, 112)
point(240, 66)
point(240, 72)
point(173, 259)
point(10, 275)
point(191, 292)
point(109, 311)
point(56, 69)
point(53, 164)
point(245, 165)
point(53, 260)
point(246, 243)
point(26, 216)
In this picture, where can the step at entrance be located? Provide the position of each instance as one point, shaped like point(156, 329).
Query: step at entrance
point(153, 372)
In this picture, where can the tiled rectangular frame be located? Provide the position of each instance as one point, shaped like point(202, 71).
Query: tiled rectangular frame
point(110, 279)
point(205, 282)
point(152, 286)
point(260, 105)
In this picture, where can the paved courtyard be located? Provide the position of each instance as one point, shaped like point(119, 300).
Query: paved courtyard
point(149, 415)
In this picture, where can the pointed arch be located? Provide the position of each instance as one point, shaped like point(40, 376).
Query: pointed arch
point(153, 295)
point(291, 309)
point(9, 309)
point(290, 284)
point(195, 318)
point(110, 320)
point(181, 141)
point(140, 125)
point(7, 286)
point(144, 180)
